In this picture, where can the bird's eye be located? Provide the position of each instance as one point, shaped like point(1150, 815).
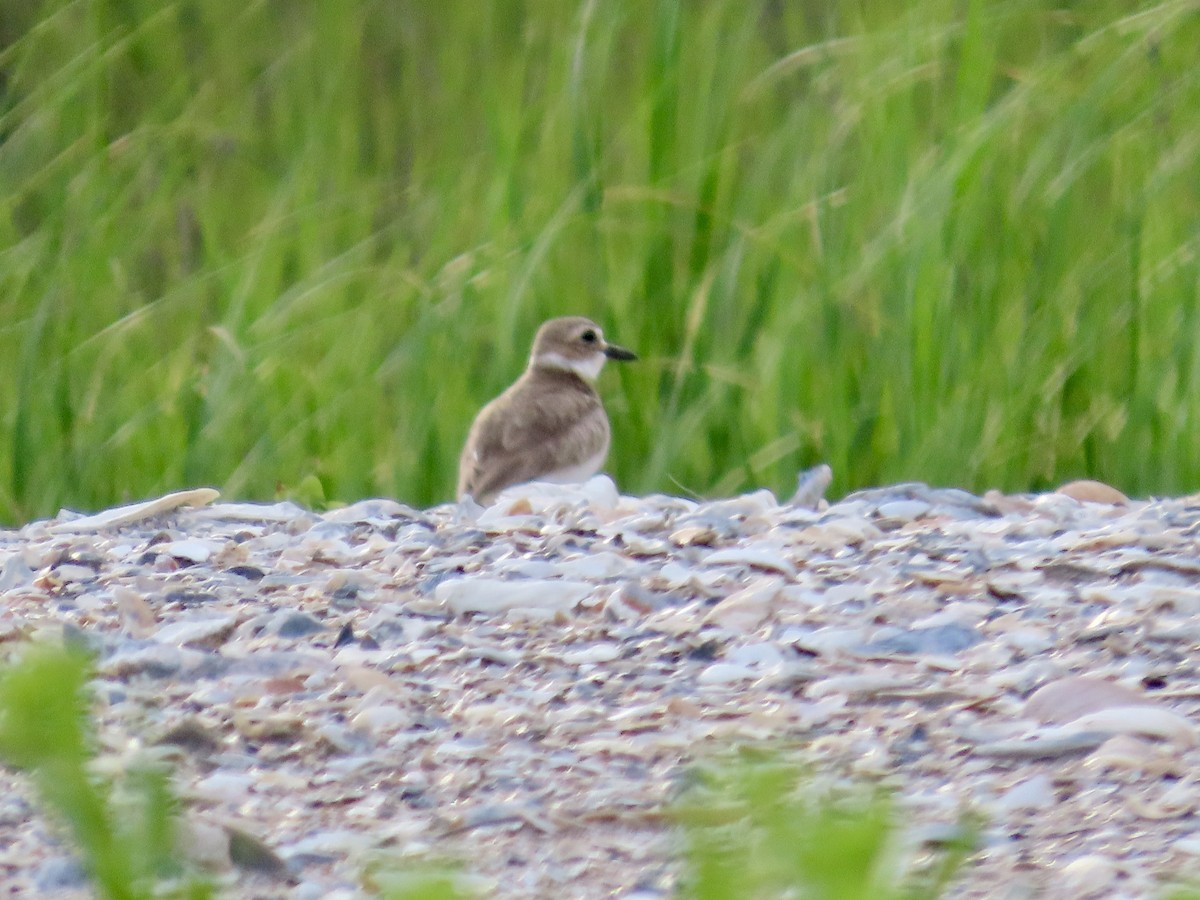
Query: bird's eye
point(588, 337)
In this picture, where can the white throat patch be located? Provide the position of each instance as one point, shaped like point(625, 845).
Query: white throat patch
point(587, 369)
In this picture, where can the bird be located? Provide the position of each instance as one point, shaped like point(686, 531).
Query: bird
point(549, 425)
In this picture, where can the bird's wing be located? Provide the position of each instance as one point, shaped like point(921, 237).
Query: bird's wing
point(548, 437)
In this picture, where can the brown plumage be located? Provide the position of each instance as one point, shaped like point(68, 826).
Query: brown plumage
point(550, 425)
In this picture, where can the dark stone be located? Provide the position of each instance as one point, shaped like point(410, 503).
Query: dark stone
point(79, 558)
point(950, 638)
point(250, 573)
point(253, 855)
point(706, 652)
point(193, 736)
point(189, 598)
point(297, 625)
point(367, 642)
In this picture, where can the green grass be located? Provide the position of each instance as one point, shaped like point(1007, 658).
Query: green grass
point(756, 826)
point(253, 244)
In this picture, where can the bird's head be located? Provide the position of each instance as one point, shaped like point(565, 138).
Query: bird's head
point(574, 344)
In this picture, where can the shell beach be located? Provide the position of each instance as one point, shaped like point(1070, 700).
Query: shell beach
point(522, 686)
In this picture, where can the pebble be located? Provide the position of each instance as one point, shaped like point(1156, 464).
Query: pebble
point(950, 638)
point(59, 874)
point(204, 630)
point(726, 673)
point(491, 595)
point(1031, 794)
point(523, 686)
point(296, 625)
point(224, 786)
point(190, 550)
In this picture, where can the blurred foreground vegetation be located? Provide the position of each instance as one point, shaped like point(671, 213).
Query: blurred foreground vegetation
point(269, 244)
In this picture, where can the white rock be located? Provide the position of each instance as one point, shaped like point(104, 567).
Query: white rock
point(599, 565)
point(769, 558)
point(597, 653)
point(758, 503)
point(1031, 794)
point(1066, 699)
point(197, 631)
point(370, 510)
point(759, 655)
point(136, 512)
point(16, 572)
point(1144, 720)
point(675, 575)
point(381, 717)
point(903, 510)
point(191, 549)
point(1189, 845)
point(69, 572)
point(1089, 875)
point(284, 511)
point(830, 641)
point(527, 568)
point(226, 787)
point(747, 609)
point(834, 534)
point(491, 595)
point(726, 673)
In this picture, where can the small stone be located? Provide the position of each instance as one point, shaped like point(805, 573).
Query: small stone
point(490, 595)
point(250, 573)
point(811, 486)
point(1093, 492)
point(16, 574)
point(747, 609)
point(297, 625)
point(62, 873)
point(252, 854)
point(192, 735)
point(205, 844)
point(1089, 876)
point(598, 653)
point(1069, 698)
point(155, 661)
point(950, 638)
point(189, 598)
point(1031, 794)
point(726, 673)
point(268, 724)
point(204, 631)
point(190, 549)
point(138, 616)
point(1143, 720)
point(1052, 746)
point(754, 557)
point(224, 787)
point(898, 512)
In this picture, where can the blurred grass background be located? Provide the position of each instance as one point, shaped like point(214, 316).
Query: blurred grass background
point(260, 243)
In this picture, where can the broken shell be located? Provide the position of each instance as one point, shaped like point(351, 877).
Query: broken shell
point(1069, 698)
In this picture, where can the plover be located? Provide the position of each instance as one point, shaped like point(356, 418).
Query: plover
point(550, 425)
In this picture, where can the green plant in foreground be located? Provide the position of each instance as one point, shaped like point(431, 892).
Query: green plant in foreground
point(427, 881)
point(756, 828)
point(127, 848)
